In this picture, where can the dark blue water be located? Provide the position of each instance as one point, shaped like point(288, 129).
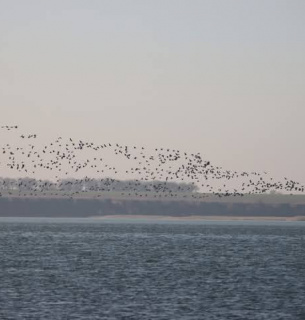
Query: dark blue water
point(84, 270)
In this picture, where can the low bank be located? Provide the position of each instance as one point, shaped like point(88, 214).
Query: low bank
point(60, 207)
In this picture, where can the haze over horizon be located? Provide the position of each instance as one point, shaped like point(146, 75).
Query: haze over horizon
point(222, 78)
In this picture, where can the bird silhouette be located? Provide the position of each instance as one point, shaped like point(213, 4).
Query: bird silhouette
point(157, 173)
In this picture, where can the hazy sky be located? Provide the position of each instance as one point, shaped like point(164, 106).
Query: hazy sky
point(224, 78)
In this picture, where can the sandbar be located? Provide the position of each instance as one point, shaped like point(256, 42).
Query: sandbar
point(199, 218)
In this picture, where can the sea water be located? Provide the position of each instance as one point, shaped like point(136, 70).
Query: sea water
point(91, 269)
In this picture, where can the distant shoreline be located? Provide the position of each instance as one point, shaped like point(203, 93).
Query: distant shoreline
point(159, 209)
point(198, 218)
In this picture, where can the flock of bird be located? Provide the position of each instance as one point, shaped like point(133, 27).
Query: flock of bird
point(77, 167)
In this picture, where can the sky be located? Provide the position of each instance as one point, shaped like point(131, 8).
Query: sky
point(223, 78)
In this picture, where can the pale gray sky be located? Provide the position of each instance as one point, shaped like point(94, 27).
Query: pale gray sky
point(224, 78)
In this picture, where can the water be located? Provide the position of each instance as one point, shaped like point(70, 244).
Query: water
point(80, 269)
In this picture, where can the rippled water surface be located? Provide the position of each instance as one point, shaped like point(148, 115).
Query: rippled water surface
point(92, 270)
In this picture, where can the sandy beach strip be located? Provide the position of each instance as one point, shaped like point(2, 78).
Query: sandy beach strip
point(199, 218)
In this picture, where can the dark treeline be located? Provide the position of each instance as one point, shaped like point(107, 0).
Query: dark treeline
point(46, 207)
point(90, 184)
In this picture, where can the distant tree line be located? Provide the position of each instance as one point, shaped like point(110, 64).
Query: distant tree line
point(90, 184)
point(47, 207)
